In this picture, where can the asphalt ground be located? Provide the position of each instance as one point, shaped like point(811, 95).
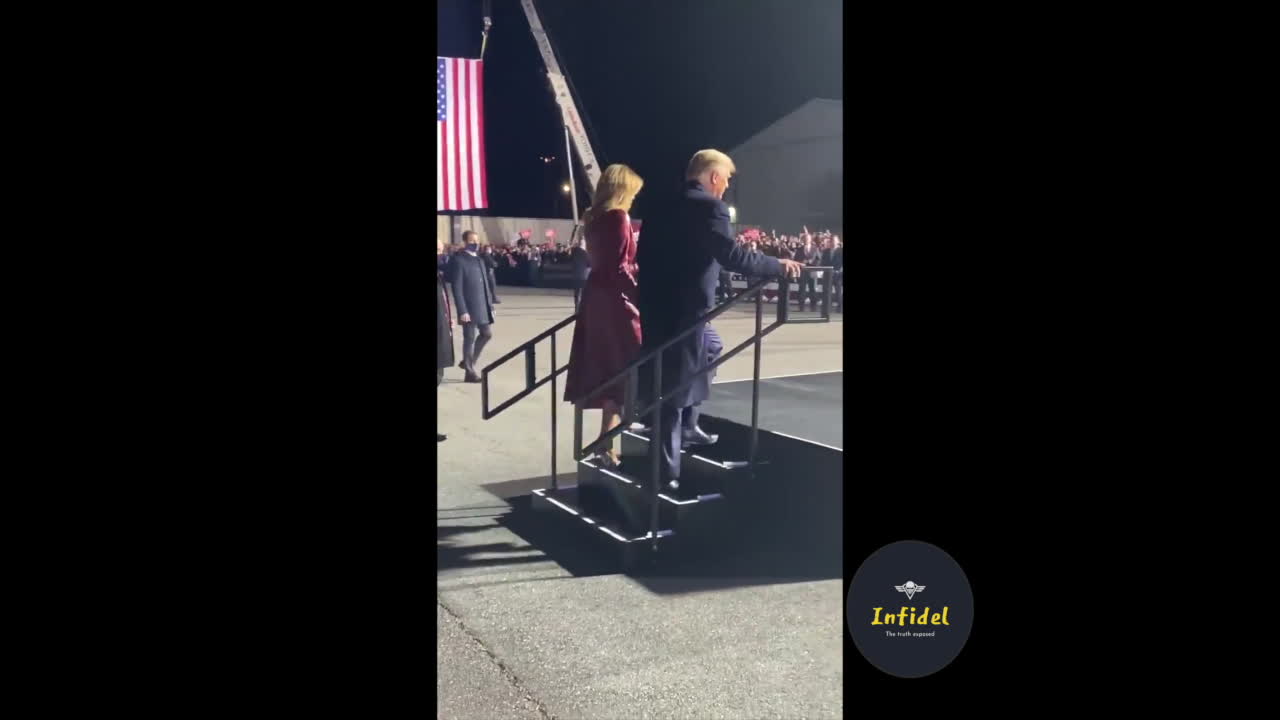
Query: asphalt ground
point(809, 405)
point(532, 624)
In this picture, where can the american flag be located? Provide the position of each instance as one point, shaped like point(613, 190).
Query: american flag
point(460, 179)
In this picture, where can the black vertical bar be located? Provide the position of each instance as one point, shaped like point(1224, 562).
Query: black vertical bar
point(655, 437)
point(484, 394)
point(633, 396)
point(577, 431)
point(530, 371)
point(755, 381)
point(829, 276)
point(784, 299)
point(555, 485)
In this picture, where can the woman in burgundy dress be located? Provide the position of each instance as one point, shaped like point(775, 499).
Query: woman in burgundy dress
point(606, 337)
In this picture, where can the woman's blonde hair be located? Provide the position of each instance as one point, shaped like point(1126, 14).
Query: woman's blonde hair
point(617, 189)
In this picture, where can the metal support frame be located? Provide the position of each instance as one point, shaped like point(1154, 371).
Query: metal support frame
point(655, 448)
point(554, 475)
point(755, 380)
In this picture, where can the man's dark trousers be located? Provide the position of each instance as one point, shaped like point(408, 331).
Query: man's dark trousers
point(677, 421)
point(471, 347)
point(808, 291)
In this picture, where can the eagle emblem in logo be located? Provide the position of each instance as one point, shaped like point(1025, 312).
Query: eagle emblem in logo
point(909, 588)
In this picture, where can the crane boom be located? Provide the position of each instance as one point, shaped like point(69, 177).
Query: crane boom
point(568, 110)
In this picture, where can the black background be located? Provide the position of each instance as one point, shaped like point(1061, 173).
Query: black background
point(266, 403)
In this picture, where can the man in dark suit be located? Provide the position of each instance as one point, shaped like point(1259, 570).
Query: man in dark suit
point(473, 296)
point(837, 282)
point(685, 246)
point(491, 264)
point(809, 254)
point(581, 268)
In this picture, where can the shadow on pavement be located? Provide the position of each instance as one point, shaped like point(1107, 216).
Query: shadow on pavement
point(754, 560)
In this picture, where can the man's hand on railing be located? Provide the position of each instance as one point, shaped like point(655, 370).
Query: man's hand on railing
point(791, 268)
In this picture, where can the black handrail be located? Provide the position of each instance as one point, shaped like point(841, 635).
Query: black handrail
point(581, 452)
point(655, 355)
point(530, 383)
point(783, 315)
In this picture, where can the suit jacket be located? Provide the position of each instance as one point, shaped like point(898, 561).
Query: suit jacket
point(473, 291)
point(685, 246)
point(812, 256)
point(444, 325)
point(837, 258)
point(581, 266)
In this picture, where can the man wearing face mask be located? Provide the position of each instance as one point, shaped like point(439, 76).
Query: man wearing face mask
point(685, 246)
point(473, 295)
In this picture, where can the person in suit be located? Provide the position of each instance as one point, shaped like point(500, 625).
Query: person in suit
point(444, 325)
point(809, 254)
point(686, 244)
point(581, 265)
point(491, 264)
point(473, 296)
point(725, 289)
point(837, 280)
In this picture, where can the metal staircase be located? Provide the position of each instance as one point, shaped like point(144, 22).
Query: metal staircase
point(625, 508)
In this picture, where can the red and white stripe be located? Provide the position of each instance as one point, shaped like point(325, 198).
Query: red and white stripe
point(460, 175)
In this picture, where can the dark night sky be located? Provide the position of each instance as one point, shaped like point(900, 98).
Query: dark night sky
point(656, 80)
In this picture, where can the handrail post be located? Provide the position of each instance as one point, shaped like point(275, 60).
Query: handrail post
point(555, 485)
point(530, 367)
point(655, 450)
point(755, 382)
point(830, 277)
point(632, 413)
point(577, 431)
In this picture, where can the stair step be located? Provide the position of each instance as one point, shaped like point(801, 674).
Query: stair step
point(627, 497)
point(630, 550)
point(704, 469)
point(732, 446)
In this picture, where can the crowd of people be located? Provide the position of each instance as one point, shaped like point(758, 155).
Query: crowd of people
point(812, 249)
point(520, 264)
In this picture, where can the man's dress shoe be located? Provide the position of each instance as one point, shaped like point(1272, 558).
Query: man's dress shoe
point(441, 438)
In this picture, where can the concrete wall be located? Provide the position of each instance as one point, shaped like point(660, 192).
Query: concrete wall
point(443, 231)
point(790, 185)
point(502, 230)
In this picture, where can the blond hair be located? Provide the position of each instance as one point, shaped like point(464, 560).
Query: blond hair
point(617, 189)
point(705, 160)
